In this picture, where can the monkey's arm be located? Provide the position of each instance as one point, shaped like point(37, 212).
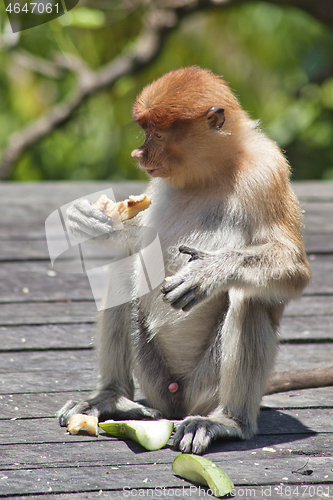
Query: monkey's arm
point(272, 271)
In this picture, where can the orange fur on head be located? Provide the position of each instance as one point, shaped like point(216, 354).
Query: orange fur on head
point(183, 94)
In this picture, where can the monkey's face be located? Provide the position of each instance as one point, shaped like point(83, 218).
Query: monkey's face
point(189, 152)
point(160, 153)
point(179, 151)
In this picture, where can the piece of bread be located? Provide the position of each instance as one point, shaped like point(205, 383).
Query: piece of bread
point(80, 422)
point(126, 209)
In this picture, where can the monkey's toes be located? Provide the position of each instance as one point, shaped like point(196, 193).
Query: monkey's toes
point(194, 435)
point(140, 413)
point(69, 409)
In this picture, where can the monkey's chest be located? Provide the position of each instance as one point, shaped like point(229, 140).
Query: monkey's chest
point(181, 337)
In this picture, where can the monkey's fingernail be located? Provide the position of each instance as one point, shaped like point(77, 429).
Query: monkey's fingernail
point(167, 278)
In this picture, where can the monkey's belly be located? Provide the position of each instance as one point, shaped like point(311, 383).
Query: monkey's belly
point(183, 338)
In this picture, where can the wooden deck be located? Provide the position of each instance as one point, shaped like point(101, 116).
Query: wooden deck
point(46, 325)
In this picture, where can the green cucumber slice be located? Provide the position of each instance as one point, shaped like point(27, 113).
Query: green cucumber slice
point(200, 470)
point(151, 434)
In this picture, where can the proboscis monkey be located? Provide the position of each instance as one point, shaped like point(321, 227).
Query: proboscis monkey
point(203, 345)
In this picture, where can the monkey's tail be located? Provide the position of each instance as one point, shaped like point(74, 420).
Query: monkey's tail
point(300, 379)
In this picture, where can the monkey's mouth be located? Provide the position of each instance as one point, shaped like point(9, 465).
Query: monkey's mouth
point(152, 171)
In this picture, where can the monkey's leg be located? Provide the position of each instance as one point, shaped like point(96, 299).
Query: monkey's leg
point(248, 338)
point(114, 395)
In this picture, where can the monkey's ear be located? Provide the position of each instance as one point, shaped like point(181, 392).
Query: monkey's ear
point(215, 117)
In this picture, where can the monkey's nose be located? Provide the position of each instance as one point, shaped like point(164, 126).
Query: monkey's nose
point(137, 153)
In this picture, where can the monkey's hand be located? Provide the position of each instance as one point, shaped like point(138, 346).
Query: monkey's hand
point(105, 405)
point(85, 222)
point(196, 433)
point(193, 283)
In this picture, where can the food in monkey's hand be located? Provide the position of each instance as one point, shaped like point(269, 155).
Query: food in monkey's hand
point(203, 471)
point(80, 422)
point(126, 209)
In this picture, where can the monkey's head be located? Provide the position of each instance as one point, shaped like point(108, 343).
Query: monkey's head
point(189, 117)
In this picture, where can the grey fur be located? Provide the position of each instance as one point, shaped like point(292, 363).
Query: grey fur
point(212, 328)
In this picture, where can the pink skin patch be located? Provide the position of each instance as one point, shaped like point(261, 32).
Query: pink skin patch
point(173, 387)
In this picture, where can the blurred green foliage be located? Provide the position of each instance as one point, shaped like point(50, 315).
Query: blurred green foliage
point(278, 60)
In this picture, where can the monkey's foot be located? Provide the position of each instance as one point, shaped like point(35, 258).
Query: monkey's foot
point(195, 434)
point(104, 406)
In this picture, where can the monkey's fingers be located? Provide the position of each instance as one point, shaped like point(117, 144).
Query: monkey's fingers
point(182, 296)
point(195, 254)
point(171, 283)
point(195, 434)
point(71, 408)
point(85, 222)
point(83, 208)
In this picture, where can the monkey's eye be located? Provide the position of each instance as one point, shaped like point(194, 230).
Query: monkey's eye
point(157, 135)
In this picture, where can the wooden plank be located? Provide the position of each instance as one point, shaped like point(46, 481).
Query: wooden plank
point(80, 335)
point(55, 193)
point(25, 249)
point(25, 217)
point(322, 272)
point(157, 476)
point(318, 217)
point(13, 250)
point(314, 190)
point(33, 281)
point(30, 281)
point(47, 371)
point(46, 361)
point(40, 446)
point(270, 422)
point(290, 356)
point(36, 405)
point(307, 329)
point(318, 243)
point(298, 356)
point(33, 204)
point(73, 336)
point(310, 306)
point(39, 313)
point(271, 492)
point(321, 397)
point(79, 451)
point(55, 381)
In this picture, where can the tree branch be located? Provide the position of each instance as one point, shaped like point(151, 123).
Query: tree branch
point(38, 64)
point(158, 23)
